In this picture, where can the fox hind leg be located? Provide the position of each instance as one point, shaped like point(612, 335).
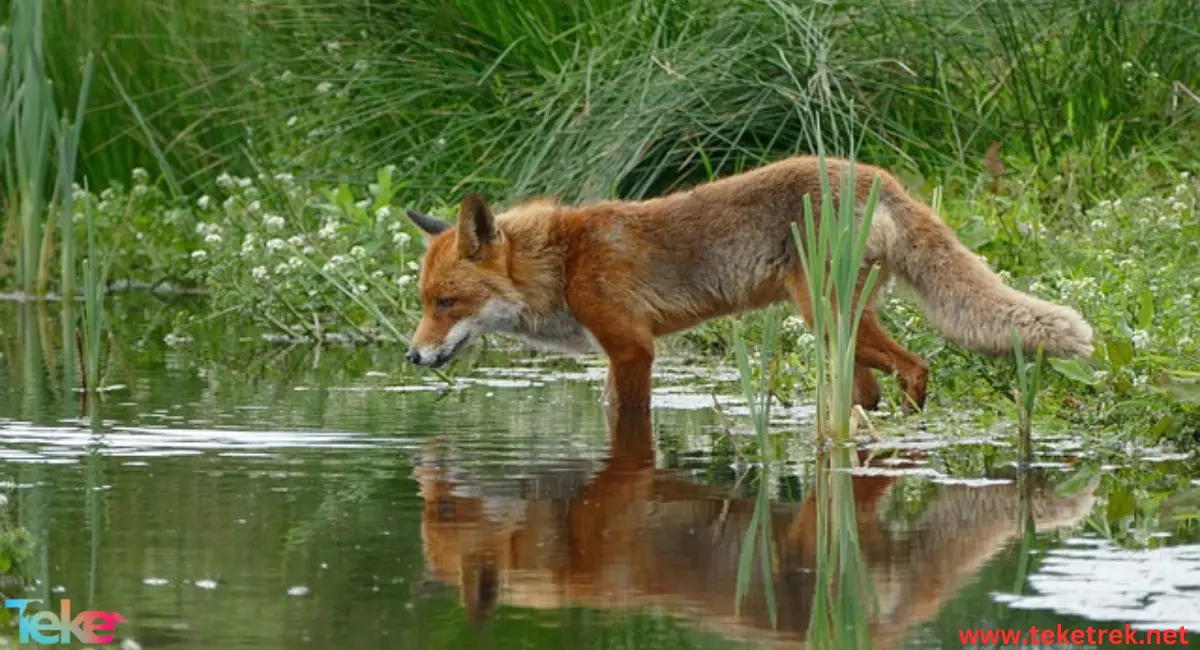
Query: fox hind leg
point(866, 387)
point(874, 350)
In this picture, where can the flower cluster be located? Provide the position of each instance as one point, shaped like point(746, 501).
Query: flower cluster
point(307, 259)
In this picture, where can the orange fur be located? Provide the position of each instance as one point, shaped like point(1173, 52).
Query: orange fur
point(616, 275)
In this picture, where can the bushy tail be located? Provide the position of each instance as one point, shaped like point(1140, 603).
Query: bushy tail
point(968, 303)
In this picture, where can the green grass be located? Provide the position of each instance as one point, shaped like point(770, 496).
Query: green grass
point(187, 65)
point(616, 96)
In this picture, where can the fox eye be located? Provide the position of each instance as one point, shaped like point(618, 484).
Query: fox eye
point(442, 304)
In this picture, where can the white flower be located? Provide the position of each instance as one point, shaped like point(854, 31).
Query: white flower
point(296, 240)
point(273, 221)
point(140, 190)
point(309, 250)
point(229, 203)
point(1141, 338)
point(404, 281)
point(140, 176)
point(324, 87)
point(287, 76)
point(204, 202)
point(295, 263)
point(292, 120)
point(285, 178)
point(401, 239)
point(212, 238)
point(793, 325)
point(413, 266)
point(199, 255)
point(225, 181)
point(376, 275)
point(333, 46)
point(329, 229)
point(363, 204)
point(275, 244)
point(108, 194)
point(244, 183)
point(173, 339)
point(259, 272)
point(383, 212)
point(358, 252)
point(249, 243)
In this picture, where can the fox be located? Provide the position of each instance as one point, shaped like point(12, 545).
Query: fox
point(630, 535)
point(614, 276)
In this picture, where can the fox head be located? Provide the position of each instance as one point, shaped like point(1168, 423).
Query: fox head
point(464, 283)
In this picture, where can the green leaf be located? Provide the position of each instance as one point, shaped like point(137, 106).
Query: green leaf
point(1145, 315)
point(1075, 370)
point(976, 233)
point(1120, 352)
point(1165, 425)
point(1120, 505)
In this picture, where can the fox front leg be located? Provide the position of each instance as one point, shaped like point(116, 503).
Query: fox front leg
point(630, 360)
point(628, 383)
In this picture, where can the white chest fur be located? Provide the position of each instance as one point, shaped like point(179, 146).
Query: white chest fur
point(558, 330)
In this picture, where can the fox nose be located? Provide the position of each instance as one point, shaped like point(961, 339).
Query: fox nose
point(413, 356)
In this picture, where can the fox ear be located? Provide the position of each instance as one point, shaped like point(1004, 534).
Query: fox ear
point(426, 223)
point(476, 226)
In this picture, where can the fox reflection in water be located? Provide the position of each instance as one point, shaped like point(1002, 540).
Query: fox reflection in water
point(635, 536)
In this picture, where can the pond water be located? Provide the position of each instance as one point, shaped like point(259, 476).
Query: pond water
point(227, 493)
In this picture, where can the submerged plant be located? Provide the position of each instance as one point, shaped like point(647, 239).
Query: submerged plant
point(759, 535)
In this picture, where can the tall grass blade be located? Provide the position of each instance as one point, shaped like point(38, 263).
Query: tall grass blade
point(151, 141)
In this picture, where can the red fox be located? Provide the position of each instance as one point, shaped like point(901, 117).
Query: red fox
point(616, 275)
point(636, 536)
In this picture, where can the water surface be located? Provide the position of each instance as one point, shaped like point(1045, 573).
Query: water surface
point(227, 493)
